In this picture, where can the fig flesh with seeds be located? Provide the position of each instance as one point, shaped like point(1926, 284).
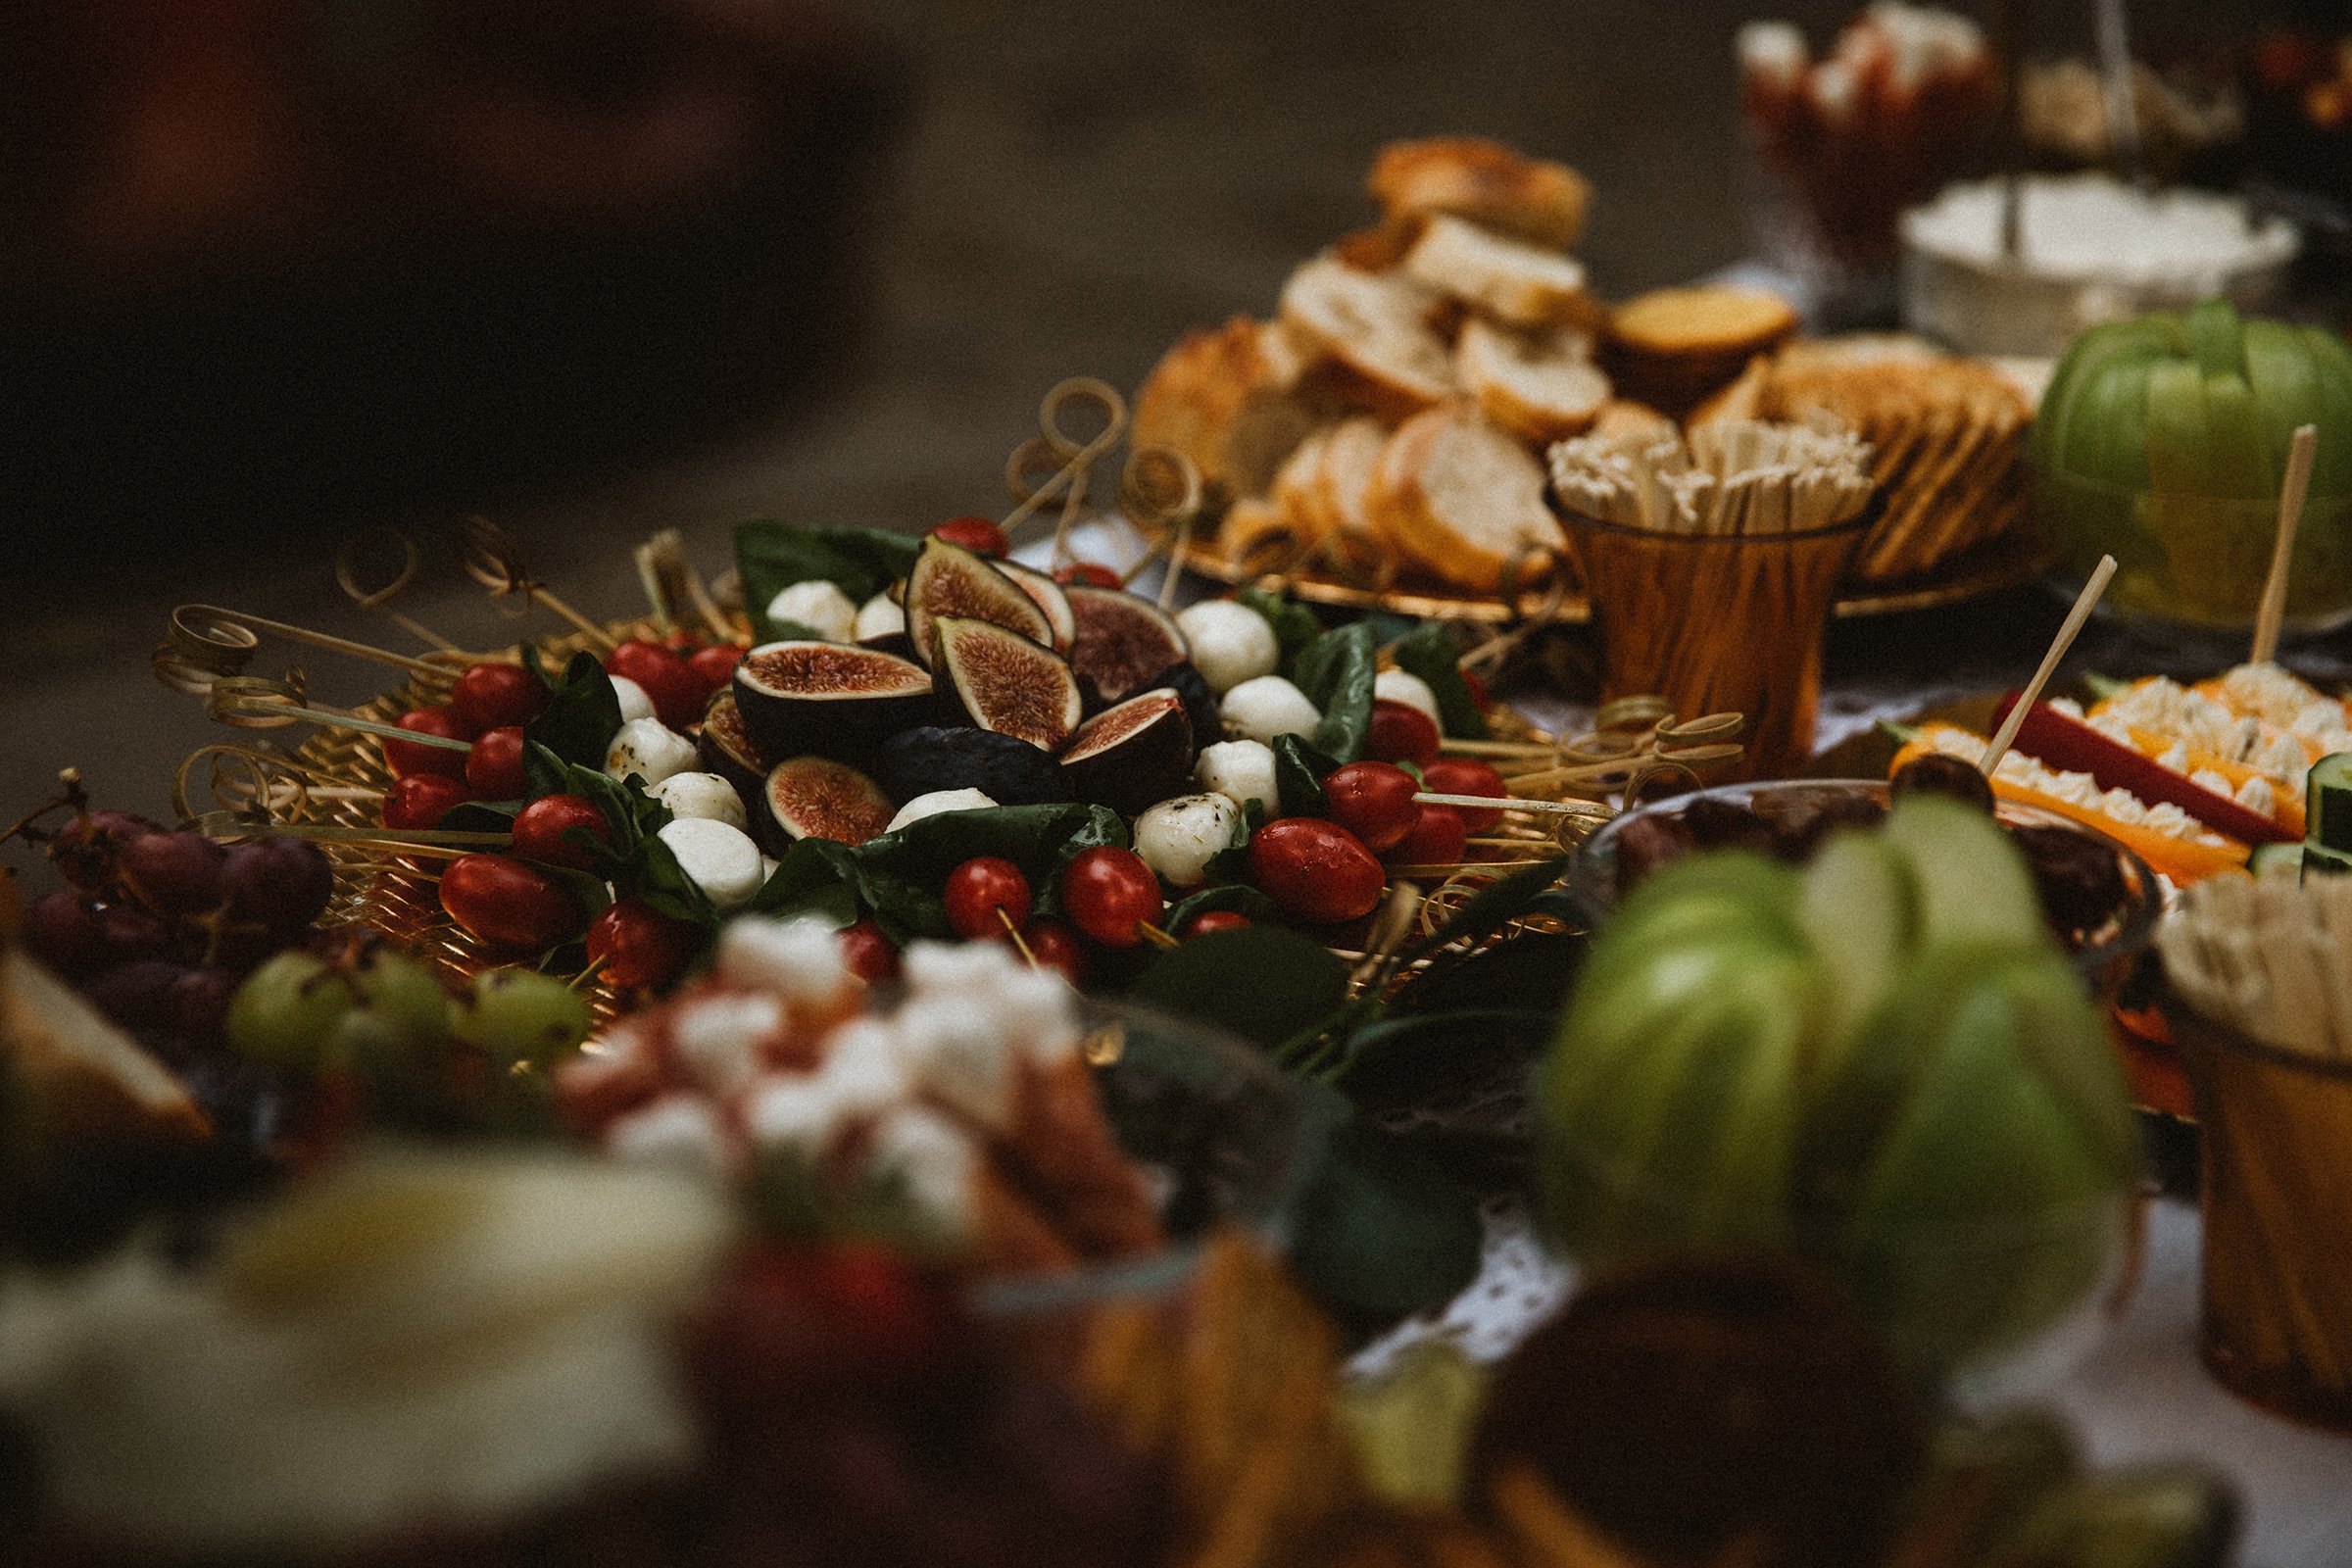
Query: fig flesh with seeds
point(1123, 640)
point(819, 797)
point(1049, 597)
point(1000, 680)
point(827, 699)
point(950, 581)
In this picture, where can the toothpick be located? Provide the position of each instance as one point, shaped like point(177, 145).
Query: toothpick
point(2085, 602)
point(2292, 493)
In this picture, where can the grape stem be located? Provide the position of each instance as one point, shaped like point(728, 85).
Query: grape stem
point(72, 795)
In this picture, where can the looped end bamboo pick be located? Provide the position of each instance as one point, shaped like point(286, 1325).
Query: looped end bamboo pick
point(2084, 603)
point(493, 559)
point(1054, 445)
point(205, 644)
point(378, 601)
point(2271, 617)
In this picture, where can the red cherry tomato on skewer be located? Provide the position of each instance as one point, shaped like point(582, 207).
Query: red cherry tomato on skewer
point(1054, 946)
point(1089, 573)
point(540, 828)
point(1315, 869)
point(491, 694)
point(1400, 733)
point(1208, 921)
point(872, 956)
point(416, 757)
point(979, 888)
point(507, 903)
point(421, 800)
point(1374, 800)
point(714, 667)
point(1439, 838)
point(1109, 893)
point(670, 683)
point(493, 767)
point(1466, 775)
point(637, 948)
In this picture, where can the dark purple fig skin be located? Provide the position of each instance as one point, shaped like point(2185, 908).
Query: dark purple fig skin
point(1144, 764)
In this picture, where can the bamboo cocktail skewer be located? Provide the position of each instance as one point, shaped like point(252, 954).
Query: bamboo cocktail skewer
point(2272, 614)
point(2084, 603)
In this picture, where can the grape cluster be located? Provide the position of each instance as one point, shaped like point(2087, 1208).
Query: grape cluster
point(158, 927)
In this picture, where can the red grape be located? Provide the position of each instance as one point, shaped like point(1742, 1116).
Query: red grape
point(404, 757)
point(1315, 869)
point(1400, 733)
point(1374, 800)
point(423, 799)
point(1466, 775)
point(638, 948)
point(507, 903)
point(86, 848)
point(979, 535)
point(1054, 946)
point(1208, 920)
point(129, 932)
point(872, 956)
point(1437, 838)
point(493, 767)
point(138, 995)
point(172, 873)
point(540, 828)
point(492, 695)
point(64, 933)
point(199, 1001)
point(674, 690)
point(281, 881)
point(980, 887)
point(1109, 893)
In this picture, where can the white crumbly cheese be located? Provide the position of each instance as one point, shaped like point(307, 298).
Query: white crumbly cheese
point(2094, 227)
point(1772, 52)
point(800, 959)
point(820, 605)
point(2079, 788)
point(634, 704)
point(717, 1038)
point(935, 1163)
point(681, 1131)
point(863, 1068)
point(948, 969)
point(2256, 795)
point(796, 1113)
point(648, 749)
point(956, 1046)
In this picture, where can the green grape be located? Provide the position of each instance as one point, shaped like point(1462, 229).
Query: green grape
point(521, 1016)
point(404, 997)
point(287, 1008)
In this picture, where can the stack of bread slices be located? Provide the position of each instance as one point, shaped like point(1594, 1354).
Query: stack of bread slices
point(1389, 420)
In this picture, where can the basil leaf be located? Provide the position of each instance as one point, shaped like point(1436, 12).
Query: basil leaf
point(1295, 625)
point(1336, 672)
point(654, 875)
point(1379, 1231)
point(1299, 772)
point(481, 817)
point(583, 713)
point(1231, 864)
point(1238, 897)
point(1264, 983)
point(1428, 651)
point(771, 555)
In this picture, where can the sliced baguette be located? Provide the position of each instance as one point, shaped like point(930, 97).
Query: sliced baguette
point(1375, 327)
point(1464, 501)
point(1626, 419)
point(1344, 478)
point(1229, 400)
point(1538, 387)
point(1484, 181)
point(1297, 493)
point(1516, 283)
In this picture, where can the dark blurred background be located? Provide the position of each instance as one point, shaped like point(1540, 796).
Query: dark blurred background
point(275, 270)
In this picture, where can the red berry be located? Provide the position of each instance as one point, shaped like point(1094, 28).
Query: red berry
point(492, 694)
point(173, 873)
point(1315, 869)
point(1437, 838)
point(714, 667)
point(1400, 733)
point(423, 799)
point(1054, 946)
point(1091, 573)
point(670, 684)
point(493, 767)
point(404, 757)
point(636, 948)
point(976, 534)
point(1374, 800)
point(872, 956)
point(509, 905)
point(540, 828)
point(1208, 920)
point(86, 848)
point(980, 887)
point(1109, 893)
point(1467, 776)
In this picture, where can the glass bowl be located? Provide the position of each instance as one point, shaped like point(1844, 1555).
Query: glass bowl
point(2100, 956)
point(2189, 569)
point(1227, 1138)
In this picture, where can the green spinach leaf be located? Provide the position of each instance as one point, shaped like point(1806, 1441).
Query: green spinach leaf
point(1299, 773)
point(771, 554)
point(583, 713)
point(1336, 671)
point(1264, 983)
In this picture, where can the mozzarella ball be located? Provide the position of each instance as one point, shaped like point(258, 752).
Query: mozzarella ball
point(1269, 705)
point(817, 605)
point(649, 750)
point(1231, 643)
point(721, 861)
point(702, 795)
point(937, 801)
point(1240, 771)
point(1403, 686)
point(1178, 838)
point(878, 618)
point(634, 704)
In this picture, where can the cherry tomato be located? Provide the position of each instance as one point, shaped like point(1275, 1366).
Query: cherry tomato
point(714, 667)
point(1437, 838)
point(1315, 869)
point(1374, 800)
point(872, 956)
point(1091, 573)
point(976, 534)
point(1466, 775)
point(1208, 920)
point(1477, 685)
point(421, 800)
point(491, 694)
point(507, 903)
point(681, 642)
point(637, 948)
point(540, 826)
point(977, 889)
point(416, 757)
point(1109, 893)
point(669, 683)
point(1400, 733)
point(493, 767)
point(1054, 946)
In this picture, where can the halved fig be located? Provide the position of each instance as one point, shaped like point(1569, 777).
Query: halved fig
point(1123, 640)
point(1132, 754)
point(1003, 681)
point(1050, 598)
point(950, 580)
point(819, 797)
point(1199, 703)
point(726, 747)
point(828, 699)
point(1009, 771)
